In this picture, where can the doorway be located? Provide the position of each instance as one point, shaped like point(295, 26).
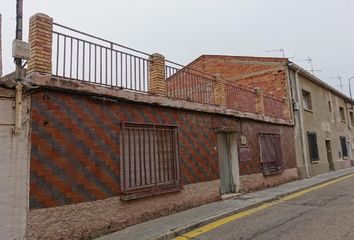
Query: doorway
point(228, 163)
point(329, 155)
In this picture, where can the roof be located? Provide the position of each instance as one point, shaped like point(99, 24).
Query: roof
point(318, 81)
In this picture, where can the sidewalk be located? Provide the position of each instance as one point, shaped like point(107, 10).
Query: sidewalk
point(170, 226)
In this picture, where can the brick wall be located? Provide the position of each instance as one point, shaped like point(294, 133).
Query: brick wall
point(75, 145)
point(266, 73)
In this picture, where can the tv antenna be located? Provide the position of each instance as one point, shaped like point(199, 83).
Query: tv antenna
point(280, 50)
point(309, 61)
point(339, 78)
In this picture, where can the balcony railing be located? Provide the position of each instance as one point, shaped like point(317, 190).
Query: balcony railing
point(240, 98)
point(81, 56)
point(273, 107)
point(72, 54)
point(189, 84)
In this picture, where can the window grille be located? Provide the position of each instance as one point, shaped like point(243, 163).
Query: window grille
point(149, 157)
point(271, 154)
point(312, 140)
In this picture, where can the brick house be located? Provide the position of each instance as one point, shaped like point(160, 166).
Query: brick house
point(323, 116)
point(107, 137)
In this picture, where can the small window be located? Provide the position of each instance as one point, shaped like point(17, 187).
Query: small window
point(149, 159)
point(271, 154)
point(351, 115)
point(312, 139)
point(343, 143)
point(306, 98)
point(329, 106)
point(342, 114)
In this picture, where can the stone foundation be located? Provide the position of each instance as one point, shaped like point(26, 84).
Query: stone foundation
point(258, 181)
point(93, 219)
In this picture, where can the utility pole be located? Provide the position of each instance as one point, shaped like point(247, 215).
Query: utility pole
point(19, 21)
point(0, 45)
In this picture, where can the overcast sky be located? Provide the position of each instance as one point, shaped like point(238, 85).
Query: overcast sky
point(182, 30)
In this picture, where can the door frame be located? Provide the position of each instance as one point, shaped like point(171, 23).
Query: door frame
point(329, 154)
point(232, 158)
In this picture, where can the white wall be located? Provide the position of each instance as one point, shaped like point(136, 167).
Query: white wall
point(14, 169)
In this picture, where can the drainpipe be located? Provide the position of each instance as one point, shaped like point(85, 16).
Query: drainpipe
point(301, 124)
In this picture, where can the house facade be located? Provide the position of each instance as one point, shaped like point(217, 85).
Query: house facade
point(103, 137)
point(322, 115)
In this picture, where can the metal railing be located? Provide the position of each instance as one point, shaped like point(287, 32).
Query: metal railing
point(81, 56)
point(240, 98)
point(273, 107)
point(189, 84)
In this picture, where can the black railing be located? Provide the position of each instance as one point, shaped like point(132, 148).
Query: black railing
point(189, 84)
point(81, 56)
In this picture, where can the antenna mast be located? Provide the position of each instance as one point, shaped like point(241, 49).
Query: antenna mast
point(280, 50)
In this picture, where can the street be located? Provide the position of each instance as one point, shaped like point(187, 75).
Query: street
point(326, 213)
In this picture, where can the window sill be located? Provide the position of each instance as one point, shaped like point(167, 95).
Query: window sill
point(150, 192)
point(270, 172)
point(308, 110)
point(315, 162)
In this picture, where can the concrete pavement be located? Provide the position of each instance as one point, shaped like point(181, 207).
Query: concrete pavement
point(176, 224)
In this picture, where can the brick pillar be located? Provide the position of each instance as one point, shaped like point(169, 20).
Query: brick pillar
point(259, 101)
point(220, 92)
point(40, 38)
point(157, 75)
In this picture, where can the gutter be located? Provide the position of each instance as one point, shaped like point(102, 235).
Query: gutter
point(301, 123)
point(318, 81)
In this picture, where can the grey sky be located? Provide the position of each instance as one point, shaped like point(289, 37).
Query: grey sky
point(182, 30)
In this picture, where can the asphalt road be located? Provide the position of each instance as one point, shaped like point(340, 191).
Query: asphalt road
point(324, 214)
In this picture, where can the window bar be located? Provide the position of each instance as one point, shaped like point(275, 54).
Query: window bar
point(140, 155)
point(154, 153)
point(129, 158)
point(123, 168)
point(135, 157)
point(144, 157)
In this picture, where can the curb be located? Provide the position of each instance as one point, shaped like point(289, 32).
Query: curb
point(183, 229)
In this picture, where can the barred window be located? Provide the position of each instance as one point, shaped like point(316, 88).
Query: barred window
point(271, 154)
point(343, 143)
point(312, 139)
point(149, 158)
